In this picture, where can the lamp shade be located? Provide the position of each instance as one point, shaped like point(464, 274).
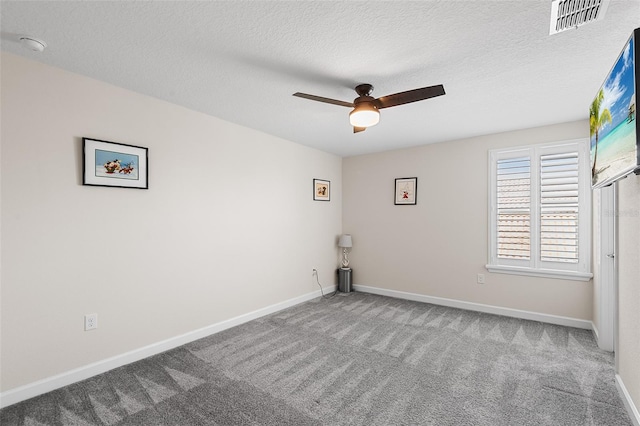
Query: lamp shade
point(365, 114)
point(345, 241)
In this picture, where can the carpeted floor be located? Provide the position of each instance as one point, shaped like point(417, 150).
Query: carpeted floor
point(355, 359)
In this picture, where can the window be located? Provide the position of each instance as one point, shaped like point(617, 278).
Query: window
point(540, 210)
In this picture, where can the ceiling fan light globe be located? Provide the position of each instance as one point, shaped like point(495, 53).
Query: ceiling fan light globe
point(364, 117)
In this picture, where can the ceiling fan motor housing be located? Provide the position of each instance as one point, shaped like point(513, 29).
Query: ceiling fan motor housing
point(365, 102)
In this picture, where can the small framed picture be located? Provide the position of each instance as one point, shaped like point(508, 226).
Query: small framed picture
point(406, 191)
point(321, 190)
point(114, 164)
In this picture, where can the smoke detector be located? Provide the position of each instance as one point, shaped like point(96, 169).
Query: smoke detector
point(32, 43)
point(570, 14)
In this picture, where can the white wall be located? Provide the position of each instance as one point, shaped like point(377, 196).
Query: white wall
point(628, 347)
point(437, 247)
point(227, 226)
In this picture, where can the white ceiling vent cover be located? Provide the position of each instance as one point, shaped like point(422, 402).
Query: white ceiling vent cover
point(570, 14)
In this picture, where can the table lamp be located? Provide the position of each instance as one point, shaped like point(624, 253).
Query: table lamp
point(346, 243)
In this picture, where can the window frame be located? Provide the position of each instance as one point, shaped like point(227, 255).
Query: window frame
point(534, 266)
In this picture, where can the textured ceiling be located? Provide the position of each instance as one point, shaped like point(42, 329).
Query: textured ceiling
point(242, 60)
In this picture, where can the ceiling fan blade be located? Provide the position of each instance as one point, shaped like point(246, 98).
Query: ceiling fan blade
point(410, 96)
point(325, 100)
point(358, 129)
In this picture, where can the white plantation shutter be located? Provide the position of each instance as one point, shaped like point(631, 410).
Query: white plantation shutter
point(539, 210)
point(559, 198)
point(514, 208)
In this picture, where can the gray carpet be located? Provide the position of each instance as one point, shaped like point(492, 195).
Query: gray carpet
point(355, 359)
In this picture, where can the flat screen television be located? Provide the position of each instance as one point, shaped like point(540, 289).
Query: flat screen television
point(613, 123)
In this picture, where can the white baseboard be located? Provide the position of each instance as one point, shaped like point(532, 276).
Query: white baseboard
point(40, 387)
point(628, 402)
point(490, 309)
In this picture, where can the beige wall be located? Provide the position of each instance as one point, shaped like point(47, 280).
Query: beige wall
point(628, 348)
point(227, 226)
point(438, 247)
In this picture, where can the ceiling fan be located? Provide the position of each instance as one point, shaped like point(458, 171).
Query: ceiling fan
point(365, 108)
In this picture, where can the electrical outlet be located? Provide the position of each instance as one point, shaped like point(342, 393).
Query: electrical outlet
point(314, 271)
point(90, 322)
point(480, 278)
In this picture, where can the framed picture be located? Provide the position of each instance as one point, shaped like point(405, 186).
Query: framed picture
point(321, 190)
point(405, 192)
point(114, 164)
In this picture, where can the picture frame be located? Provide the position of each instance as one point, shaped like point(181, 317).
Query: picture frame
point(321, 190)
point(114, 164)
point(405, 191)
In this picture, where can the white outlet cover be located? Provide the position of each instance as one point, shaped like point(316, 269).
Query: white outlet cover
point(90, 322)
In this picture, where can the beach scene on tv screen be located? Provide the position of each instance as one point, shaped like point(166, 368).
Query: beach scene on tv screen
point(612, 116)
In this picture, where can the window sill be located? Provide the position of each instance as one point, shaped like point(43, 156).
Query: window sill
point(544, 273)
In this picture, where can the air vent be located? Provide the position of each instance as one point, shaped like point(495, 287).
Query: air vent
point(570, 14)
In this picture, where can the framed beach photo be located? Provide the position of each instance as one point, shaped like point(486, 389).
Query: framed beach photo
point(405, 193)
point(321, 190)
point(114, 164)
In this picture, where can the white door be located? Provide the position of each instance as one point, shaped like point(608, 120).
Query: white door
point(606, 281)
